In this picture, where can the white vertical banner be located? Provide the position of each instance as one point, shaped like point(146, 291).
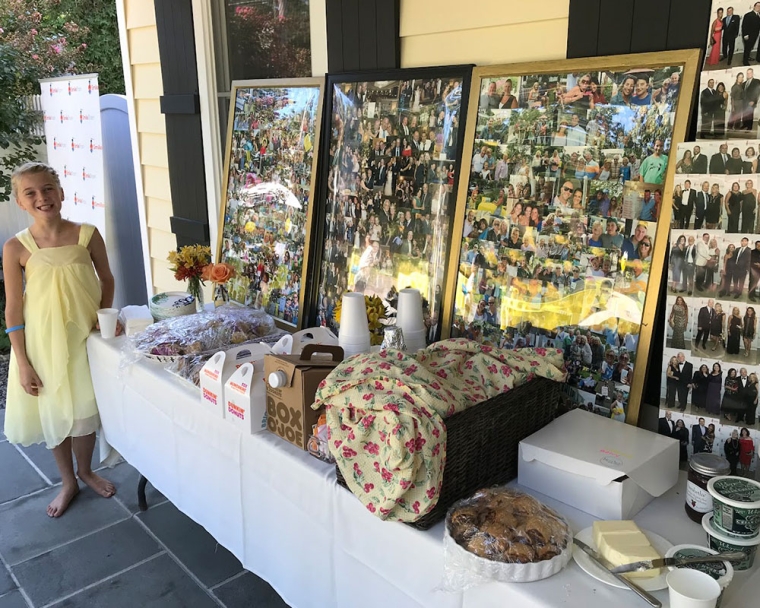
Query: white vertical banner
point(71, 109)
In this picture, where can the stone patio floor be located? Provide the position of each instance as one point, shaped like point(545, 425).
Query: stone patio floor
point(105, 553)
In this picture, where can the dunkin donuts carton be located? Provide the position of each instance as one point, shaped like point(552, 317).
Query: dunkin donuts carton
point(245, 398)
point(220, 368)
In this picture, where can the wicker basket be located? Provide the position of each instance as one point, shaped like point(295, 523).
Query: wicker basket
point(482, 442)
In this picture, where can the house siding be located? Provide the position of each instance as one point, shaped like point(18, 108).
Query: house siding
point(486, 32)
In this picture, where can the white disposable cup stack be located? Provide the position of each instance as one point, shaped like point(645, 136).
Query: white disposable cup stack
point(353, 335)
point(689, 588)
point(107, 319)
point(409, 319)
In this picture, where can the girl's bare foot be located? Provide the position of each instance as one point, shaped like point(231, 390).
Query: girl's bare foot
point(101, 486)
point(61, 502)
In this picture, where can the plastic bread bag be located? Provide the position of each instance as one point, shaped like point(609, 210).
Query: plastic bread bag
point(196, 334)
point(502, 534)
point(187, 368)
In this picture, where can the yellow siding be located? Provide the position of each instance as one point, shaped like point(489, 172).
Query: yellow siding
point(146, 81)
point(159, 214)
point(149, 117)
point(161, 243)
point(487, 32)
point(156, 182)
point(143, 45)
point(153, 150)
point(139, 13)
point(140, 17)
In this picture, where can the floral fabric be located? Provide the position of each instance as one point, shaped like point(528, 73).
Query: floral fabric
point(385, 415)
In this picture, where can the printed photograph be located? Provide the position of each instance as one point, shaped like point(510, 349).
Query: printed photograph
point(712, 346)
point(733, 36)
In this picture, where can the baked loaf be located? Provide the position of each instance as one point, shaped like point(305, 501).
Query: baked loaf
point(506, 525)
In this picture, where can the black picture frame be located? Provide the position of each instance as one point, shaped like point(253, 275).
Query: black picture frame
point(460, 73)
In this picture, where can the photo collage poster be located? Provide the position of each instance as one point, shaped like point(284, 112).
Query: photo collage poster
point(269, 181)
point(711, 360)
point(393, 170)
point(729, 86)
point(564, 195)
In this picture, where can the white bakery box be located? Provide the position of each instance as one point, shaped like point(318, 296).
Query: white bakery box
point(606, 468)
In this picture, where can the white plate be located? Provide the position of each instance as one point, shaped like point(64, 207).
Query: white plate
point(660, 544)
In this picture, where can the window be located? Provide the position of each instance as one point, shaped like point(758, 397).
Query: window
point(256, 39)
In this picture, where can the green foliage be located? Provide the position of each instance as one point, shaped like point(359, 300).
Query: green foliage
point(103, 52)
point(18, 124)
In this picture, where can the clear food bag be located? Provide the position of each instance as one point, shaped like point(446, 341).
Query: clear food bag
point(502, 534)
point(203, 333)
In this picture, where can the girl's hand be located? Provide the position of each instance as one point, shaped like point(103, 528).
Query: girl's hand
point(30, 381)
point(119, 328)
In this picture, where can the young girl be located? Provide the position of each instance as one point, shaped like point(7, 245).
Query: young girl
point(50, 396)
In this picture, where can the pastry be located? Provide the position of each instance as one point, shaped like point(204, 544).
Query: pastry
point(508, 526)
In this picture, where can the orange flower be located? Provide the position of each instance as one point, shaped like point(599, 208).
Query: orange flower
point(206, 274)
point(220, 273)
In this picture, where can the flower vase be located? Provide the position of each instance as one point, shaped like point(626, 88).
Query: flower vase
point(195, 288)
point(221, 295)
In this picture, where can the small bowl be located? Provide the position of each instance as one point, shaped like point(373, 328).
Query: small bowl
point(171, 304)
point(723, 572)
point(721, 542)
point(736, 505)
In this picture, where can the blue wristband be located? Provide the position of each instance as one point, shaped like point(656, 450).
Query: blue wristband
point(14, 328)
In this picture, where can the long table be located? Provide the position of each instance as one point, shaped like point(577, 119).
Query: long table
point(282, 514)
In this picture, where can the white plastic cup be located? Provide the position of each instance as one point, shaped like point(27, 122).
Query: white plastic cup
point(349, 350)
point(356, 340)
point(107, 319)
point(692, 589)
point(409, 312)
point(353, 317)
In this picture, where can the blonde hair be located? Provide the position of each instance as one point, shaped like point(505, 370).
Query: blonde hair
point(30, 169)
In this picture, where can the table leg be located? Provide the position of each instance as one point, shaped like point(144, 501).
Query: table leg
point(141, 500)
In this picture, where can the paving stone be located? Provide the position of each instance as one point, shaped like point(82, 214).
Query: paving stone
point(6, 582)
point(67, 569)
point(191, 544)
point(13, 600)
point(27, 531)
point(249, 590)
point(45, 461)
point(159, 583)
point(125, 477)
point(2, 423)
point(18, 477)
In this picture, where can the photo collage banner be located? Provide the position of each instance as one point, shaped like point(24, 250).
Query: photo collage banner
point(711, 361)
point(271, 160)
point(564, 195)
point(390, 191)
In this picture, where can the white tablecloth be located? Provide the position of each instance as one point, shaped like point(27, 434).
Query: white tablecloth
point(282, 514)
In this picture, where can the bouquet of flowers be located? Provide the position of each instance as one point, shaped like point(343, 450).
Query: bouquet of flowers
point(188, 264)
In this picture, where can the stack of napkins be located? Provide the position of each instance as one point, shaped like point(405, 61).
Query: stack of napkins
point(135, 319)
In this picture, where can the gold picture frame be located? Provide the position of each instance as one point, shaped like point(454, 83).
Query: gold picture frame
point(561, 129)
point(270, 174)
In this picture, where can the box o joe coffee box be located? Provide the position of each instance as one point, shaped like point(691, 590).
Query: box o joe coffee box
point(292, 381)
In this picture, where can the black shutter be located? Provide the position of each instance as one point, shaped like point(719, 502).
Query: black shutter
point(362, 35)
point(611, 27)
point(181, 108)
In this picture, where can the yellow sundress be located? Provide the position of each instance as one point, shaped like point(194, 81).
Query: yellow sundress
point(61, 300)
